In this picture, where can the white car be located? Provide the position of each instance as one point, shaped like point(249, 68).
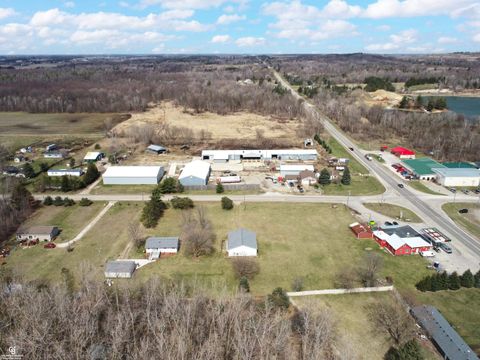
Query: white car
point(427, 253)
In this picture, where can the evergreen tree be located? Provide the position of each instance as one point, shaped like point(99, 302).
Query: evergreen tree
point(28, 171)
point(65, 187)
point(44, 167)
point(419, 101)
point(151, 213)
point(403, 103)
point(324, 178)
point(72, 162)
point(58, 201)
point(279, 298)
point(85, 202)
point(219, 189)
point(430, 104)
point(21, 198)
point(435, 283)
point(92, 174)
point(411, 350)
point(454, 281)
point(477, 279)
point(467, 280)
point(168, 186)
point(244, 285)
point(48, 201)
point(346, 178)
point(443, 281)
point(227, 203)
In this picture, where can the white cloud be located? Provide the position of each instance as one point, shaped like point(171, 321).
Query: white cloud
point(339, 9)
point(476, 37)
point(220, 39)
point(447, 40)
point(382, 47)
point(250, 41)
point(69, 4)
point(397, 41)
point(228, 19)
point(159, 49)
point(181, 4)
point(6, 12)
point(383, 27)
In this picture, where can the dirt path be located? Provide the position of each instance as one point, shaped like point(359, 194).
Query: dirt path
point(88, 227)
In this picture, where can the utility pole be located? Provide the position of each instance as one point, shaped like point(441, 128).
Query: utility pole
point(348, 197)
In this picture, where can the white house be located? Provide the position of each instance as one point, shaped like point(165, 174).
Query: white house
point(133, 175)
point(154, 246)
point(120, 269)
point(242, 242)
point(458, 176)
point(195, 173)
point(65, 172)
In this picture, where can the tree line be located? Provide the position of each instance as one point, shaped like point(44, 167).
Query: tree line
point(453, 281)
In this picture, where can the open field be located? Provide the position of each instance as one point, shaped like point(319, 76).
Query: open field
point(470, 221)
point(232, 126)
point(418, 185)
point(351, 311)
point(393, 211)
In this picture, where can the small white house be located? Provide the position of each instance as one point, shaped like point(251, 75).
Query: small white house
point(42, 233)
point(65, 172)
point(120, 269)
point(154, 246)
point(242, 242)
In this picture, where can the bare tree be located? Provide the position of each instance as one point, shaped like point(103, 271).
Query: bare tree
point(245, 266)
point(371, 267)
point(135, 234)
point(197, 233)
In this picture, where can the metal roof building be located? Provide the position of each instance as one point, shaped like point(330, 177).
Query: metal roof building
point(133, 175)
point(157, 149)
point(280, 154)
point(120, 269)
point(65, 172)
point(93, 156)
point(458, 176)
point(242, 242)
point(195, 173)
point(295, 169)
point(422, 168)
point(445, 338)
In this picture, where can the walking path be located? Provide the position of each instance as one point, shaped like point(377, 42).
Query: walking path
point(341, 291)
point(88, 227)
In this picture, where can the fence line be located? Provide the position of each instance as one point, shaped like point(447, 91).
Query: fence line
point(341, 291)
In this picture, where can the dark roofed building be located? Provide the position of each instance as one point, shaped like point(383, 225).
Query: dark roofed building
point(120, 269)
point(157, 149)
point(443, 336)
point(154, 246)
point(43, 233)
point(402, 231)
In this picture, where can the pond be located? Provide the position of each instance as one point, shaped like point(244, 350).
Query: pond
point(468, 106)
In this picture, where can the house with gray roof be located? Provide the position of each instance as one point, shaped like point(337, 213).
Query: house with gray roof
point(442, 334)
point(156, 149)
point(42, 233)
point(242, 242)
point(154, 246)
point(120, 269)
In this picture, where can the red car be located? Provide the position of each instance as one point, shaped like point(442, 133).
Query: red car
point(50, 245)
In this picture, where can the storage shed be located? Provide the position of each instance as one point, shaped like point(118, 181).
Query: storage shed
point(195, 173)
point(361, 231)
point(93, 156)
point(242, 242)
point(154, 246)
point(133, 175)
point(458, 176)
point(120, 269)
point(156, 149)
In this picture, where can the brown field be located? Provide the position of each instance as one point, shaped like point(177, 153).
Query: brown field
point(234, 126)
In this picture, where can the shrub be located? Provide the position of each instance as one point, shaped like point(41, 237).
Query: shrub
point(279, 299)
point(227, 203)
point(97, 147)
point(68, 202)
point(58, 201)
point(181, 203)
point(244, 285)
point(409, 351)
point(85, 202)
point(48, 201)
point(219, 189)
point(245, 267)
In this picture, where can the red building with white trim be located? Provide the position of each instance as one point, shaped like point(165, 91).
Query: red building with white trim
point(361, 231)
point(403, 153)
point(397, 245)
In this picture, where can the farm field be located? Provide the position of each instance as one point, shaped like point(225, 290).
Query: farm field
point(469, 221)
point(393, 211)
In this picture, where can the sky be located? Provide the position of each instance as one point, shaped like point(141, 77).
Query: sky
point(238, 26)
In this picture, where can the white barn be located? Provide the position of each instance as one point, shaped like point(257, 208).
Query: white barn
point(120, 269)
point(458, 176)
point(242, 242)
point(154, 246)
point(133, 175)
point(195, 173)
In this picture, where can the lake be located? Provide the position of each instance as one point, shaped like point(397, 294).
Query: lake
point(468, 106)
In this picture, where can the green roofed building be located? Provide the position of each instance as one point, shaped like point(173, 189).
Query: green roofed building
point(459, 165)
point(423, 168)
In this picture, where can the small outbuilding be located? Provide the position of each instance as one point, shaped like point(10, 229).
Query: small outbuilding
point(93, 156)
point(242, 242)
point(42, 233)
point(65, 172)
point(155, 246)
point(120, 269)
point(156, 149)
point(361, 231)
point(294, 169)
point(54, 155)
point(195, 173)
point(133, 175)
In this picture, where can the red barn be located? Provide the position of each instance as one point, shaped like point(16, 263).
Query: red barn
point(403, 153)
point(361, 231)
point(401, 246)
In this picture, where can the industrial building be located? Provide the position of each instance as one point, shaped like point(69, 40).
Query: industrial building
point(43, 233)
point(133, 175)
point(242, 242)
point(120, 269)
point(458, 176)
point(294, 169)
point(65, 172)
point(286, 154)
point(423, 168)
point(154, 246)
point(450, 345)
point(195, 173)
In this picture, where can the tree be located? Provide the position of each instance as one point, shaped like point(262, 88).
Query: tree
point(152, 212)
point(419, 101)
point(467, 280)
point(68, 202)
point(411, 350)
point(477, 279)
point(245, 267)
point(403, 103)
point(227, 203)
point(58, 201)
point(85, 202)
point(346, 179)
point(278, 299)
point(28, 171)
point(169, 186)
point(135, 234)
point(197, 233)
point(92, 174)
point(324, 178)
point(430, 104)
point(43, 167)
point(219, 189)
point(372, 265)
point(454, 281)
point(243, 285)
point(65, 184)
point(441, 103)
point(72, 162)
point(182, 203)
point(48, 201)
point(21, 198)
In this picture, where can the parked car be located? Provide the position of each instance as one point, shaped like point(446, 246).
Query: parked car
point(394, 223)
point(445, 248)
point(465, 191)
point(452, 190)
point(427, 253)
point(50, 245)
point(477, 191)
point(401, 186)
point(351, 149)
point(463, 211)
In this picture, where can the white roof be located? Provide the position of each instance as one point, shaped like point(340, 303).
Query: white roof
point(458, 172)
point(196, 168)
point(415, 242)
point(296, 167)
point(264, 153)
point(92, 155)
point(396, 242)
point(132, 171)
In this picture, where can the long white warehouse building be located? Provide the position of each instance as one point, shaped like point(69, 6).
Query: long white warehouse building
point(285, 154)
point(458, 176)
point(133, 175)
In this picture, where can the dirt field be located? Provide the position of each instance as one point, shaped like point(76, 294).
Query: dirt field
point(235, 126)
point(379, 97)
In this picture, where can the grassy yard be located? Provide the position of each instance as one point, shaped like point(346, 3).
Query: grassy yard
point(418, 185)
point(351, 311)
point(470, 221)
point(339, 151)
point(393, 211)
point(102, 189)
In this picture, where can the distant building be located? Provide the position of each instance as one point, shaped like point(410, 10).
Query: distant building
point(156, 149)
point(450, 345)
point(285, 154)
point(133, 175)
point(43, 233)
point(403, 153)
point(402, 240)
point(65, 172)
point(307, 177)
point(54, 155)
point(422, 168)
point(294, 169)
point(19, 158)
point(51, 147)
point(195, 173)
point(458, 176)
point(307, 142)
point(154, 246)
point(242, 242)
point(93, 156)
point(120, 269)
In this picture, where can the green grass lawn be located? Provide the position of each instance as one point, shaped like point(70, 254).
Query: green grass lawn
point(418, 185)
point(393, 211)
point(468, 221)
point(339, 151)
point(102, 189)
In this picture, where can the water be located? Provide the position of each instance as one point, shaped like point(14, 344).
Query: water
point(468, 106)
